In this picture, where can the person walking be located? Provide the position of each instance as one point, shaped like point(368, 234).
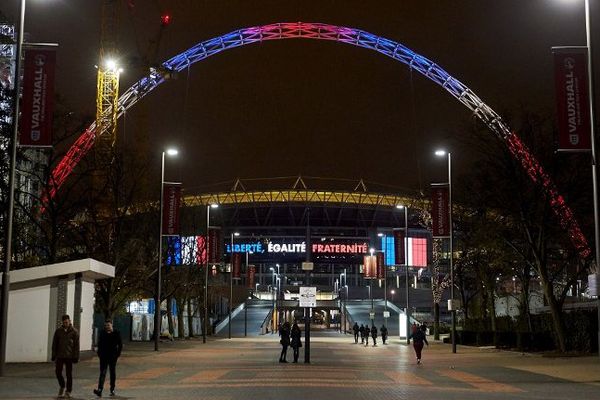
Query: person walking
point(284, 332)
point(361, 330)
point(419, 338)
point(65, 351)
point(384, 333)
point(374, 334)
point(110, 346)
point(296, 343)
point(367, 334)
point(356, 329)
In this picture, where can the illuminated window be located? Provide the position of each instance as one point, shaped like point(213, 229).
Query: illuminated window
point(389, 249)
point(417, 252)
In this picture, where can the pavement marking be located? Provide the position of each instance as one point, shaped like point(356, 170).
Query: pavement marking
point(206, 376)
point(478, 381)
point(305, 374)
point(139, 378)
point(588, 374)
point(407, 378)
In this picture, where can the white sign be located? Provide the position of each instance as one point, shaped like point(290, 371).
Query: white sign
point(386, 314)
point(371, 315)
point(308, 296)
point(592, 285)
point(307, 266)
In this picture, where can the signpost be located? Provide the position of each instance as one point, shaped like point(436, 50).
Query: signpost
point(308, 297)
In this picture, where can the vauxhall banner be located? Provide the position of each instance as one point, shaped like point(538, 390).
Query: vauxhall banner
point(38, 97)
point(250, 273)
point(399, 244)
point(380, 260)
point(172, 201)
point(572, 98)
point(236, 265)
point(440, 210)
point(214, 246)
point(370, 267)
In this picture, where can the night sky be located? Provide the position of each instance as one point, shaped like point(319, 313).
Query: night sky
point(309, 107)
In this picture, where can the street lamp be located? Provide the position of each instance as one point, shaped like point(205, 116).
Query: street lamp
point(233, 234)
point(273, 316)
point(442, 153)
point(590, 71)
point(406, 274)
point(204, 332)
point(392, 292)
point(157, 318)
point(11, 194)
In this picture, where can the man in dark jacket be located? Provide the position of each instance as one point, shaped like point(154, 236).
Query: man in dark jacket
point(355, 329)
point(374, 334)
point(384, 333)
point(109, 350)
point(419, 337)
point(362, 333)
point(65, 351)
point(367, 334)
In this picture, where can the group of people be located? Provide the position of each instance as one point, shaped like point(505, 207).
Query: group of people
point(290, 337)
point(65, 353)
point(365, 332)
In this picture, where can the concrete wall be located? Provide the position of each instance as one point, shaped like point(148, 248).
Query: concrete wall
point(87, 316)
point(38, 298)
point(27, 336)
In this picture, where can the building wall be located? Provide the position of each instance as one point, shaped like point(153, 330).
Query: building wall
point(29, 316)
point(87, 316)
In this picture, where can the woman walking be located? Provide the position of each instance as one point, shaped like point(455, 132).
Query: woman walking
point(419, 338)
point(296, 340)
point(284, 332)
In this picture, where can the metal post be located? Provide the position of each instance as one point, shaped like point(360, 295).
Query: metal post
point(385, 286)
point(204, 332)
point(157, 318)
point(407, 277)
point(230, 284)
point(11, 196)
point(307, 278)
point(453, 312)
point(588, 34)
point(246, 318)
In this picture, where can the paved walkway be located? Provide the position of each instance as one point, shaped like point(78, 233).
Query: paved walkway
point(247, 368)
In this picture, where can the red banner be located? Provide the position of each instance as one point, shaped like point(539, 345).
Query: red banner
point(380, 259)
point(440, 211)
point(200, 250)
point(250, 273)
point(172, 201)
point(38, 97)
point(572, 98)
point(214, 246)
point(236, 265)
point(370, 267)
point(399, 244)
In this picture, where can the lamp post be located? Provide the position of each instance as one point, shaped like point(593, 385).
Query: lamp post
point(343, 285)
point(442, 153)
point(205, 331)
point(384, 249)
point(273, 299)
point(392, 292)
point(590, 70)
point(406, 274)
point(11, 193)
point(372, 313)
point(157, 317)
point(233, 234)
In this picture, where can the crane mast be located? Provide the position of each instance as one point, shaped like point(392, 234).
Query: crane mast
point(107, 93)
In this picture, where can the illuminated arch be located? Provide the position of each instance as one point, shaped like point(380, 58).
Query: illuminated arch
point(354, 37)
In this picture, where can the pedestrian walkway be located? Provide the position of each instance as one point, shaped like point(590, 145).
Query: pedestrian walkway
point(248, 368)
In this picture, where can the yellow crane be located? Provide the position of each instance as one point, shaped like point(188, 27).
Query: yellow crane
point(107, 91)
